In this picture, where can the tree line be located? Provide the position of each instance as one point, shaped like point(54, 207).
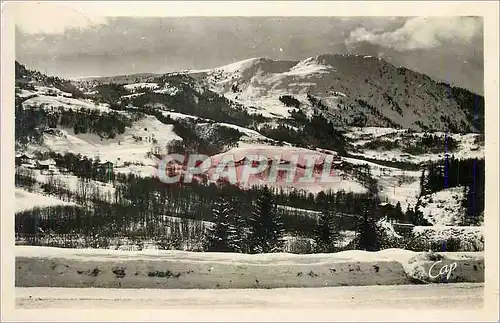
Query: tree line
point(415, 145)
point(24, 76)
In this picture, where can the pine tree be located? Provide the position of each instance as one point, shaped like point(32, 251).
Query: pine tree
point(424, 183)
point(471, 216)
point(237, 234)
point(266, 227)
point(417, 218)
point(368, 234)
point(409, 214)
point(399, 212)
point(218, 237)
point(326, 233)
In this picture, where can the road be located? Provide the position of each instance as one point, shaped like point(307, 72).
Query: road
point(424, 299)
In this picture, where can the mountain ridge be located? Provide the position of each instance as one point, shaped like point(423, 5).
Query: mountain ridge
point(348, 89)
point(376, 93)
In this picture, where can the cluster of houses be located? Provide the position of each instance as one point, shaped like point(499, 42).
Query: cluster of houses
point(48, 166)
point(29, 161)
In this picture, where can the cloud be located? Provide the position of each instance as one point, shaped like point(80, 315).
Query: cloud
point(52, 18)
point(422, 33)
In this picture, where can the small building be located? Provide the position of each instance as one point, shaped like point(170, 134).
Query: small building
point(106, 168)
point(46, 164)
point(23, 159)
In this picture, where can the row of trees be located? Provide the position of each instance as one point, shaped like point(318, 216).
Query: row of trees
point(415, 145)
point(453, 172)
point(264, 231)
point(25, 78)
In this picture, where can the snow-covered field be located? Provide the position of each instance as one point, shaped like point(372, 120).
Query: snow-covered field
point(263, 89)
point(26, 200)
point(132, 146)
point(62, 102)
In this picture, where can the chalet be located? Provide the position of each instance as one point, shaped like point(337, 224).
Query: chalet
point(23, 159)
point(45, 164)
point(240, 162)
point(106, 168)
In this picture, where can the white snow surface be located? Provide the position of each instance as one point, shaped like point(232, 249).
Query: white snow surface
point(307, 67)
point(399, 255)
point(25, 200)
point(61, 102)
point(131, 146)
point(136, 86)
point(432, 303)
point(443, 207)
point(177, 115)
point(52, 90)
point(264, 81)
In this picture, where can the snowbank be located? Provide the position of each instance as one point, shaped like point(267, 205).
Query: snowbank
point(54, 267)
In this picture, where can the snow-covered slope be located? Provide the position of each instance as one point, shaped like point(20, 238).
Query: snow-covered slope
point(136, 86)
point(443, 207)
point(390, 144)
point(60, 101)
point(145, 136)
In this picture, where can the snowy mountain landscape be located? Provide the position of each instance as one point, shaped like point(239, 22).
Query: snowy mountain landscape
point(105, 138)
point(262, 163)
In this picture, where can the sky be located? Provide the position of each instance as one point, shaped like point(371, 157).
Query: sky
point(73, 44)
